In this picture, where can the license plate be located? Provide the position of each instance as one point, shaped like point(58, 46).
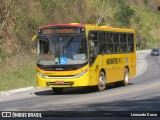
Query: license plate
point(59, 82)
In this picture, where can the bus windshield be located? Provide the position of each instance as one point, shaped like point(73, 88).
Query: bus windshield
point(62, 50)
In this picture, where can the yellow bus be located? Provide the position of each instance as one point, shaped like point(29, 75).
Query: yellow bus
point(78, 55)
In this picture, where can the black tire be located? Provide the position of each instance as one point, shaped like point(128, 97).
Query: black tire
point(126, 77)
point(102, 81)
point(125, 81)
point(57, 90)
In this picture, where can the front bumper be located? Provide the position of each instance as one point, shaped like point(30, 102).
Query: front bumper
point(64, 82)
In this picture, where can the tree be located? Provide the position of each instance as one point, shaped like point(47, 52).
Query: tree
point(123, 14)
point(103, 11)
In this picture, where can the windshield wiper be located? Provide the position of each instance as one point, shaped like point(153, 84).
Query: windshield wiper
point(70, 40)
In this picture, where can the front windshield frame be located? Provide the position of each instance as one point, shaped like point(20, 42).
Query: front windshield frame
point(57, 59)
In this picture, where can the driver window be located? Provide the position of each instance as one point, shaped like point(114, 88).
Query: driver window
point(93, 51)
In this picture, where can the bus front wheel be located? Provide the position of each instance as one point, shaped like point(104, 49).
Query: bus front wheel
point(57, 90)
point(102, 81)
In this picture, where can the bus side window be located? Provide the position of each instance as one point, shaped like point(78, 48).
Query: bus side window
point(130, 43)
point(109, 37)
point(123, 42)
point(110, 48)
point(93, 38)
point(102, 43)
point(102, 48)
point(116, 42)
point(93, 49)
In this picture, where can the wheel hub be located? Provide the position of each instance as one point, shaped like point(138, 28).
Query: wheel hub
point(101, 79)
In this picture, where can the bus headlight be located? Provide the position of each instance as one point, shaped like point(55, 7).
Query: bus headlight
point(41, 75)
point(80, 74)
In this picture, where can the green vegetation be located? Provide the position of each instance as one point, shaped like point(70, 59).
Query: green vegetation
point(19, 20)
point(123, 15)
point(148, 27)
point(23, 75)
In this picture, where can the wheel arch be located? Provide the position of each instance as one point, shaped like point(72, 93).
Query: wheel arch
point(127, 68)
point(103, 70)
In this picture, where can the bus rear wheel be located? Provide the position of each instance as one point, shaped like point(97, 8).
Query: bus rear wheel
point(57, 90)
point(102, 81)
point(125, 81)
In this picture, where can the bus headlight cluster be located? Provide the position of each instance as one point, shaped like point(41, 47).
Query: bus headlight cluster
point(80, 74)
point(41, 75)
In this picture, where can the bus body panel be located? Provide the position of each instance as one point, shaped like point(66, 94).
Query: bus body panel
point(114, 72)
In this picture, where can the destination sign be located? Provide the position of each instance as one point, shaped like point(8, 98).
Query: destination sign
point(48, 31)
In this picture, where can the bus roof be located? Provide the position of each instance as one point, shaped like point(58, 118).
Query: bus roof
point(106, 28)
point(65, 25)
point(89, 27)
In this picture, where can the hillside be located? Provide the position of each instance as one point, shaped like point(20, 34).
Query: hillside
point(20, 18)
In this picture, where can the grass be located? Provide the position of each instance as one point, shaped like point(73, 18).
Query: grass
point(23, 76)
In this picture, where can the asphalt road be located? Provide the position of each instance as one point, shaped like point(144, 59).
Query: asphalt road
point(142, 94)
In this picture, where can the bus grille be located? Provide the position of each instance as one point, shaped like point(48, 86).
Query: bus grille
point(55, 83)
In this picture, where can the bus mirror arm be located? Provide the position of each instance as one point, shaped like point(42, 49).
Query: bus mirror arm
point(34, 44)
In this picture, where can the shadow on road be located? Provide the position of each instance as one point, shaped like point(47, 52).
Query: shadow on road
point(150, 104)
point(66, 91)
point(79, 90)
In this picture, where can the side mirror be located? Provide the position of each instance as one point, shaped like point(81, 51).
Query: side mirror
point(34, 43)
